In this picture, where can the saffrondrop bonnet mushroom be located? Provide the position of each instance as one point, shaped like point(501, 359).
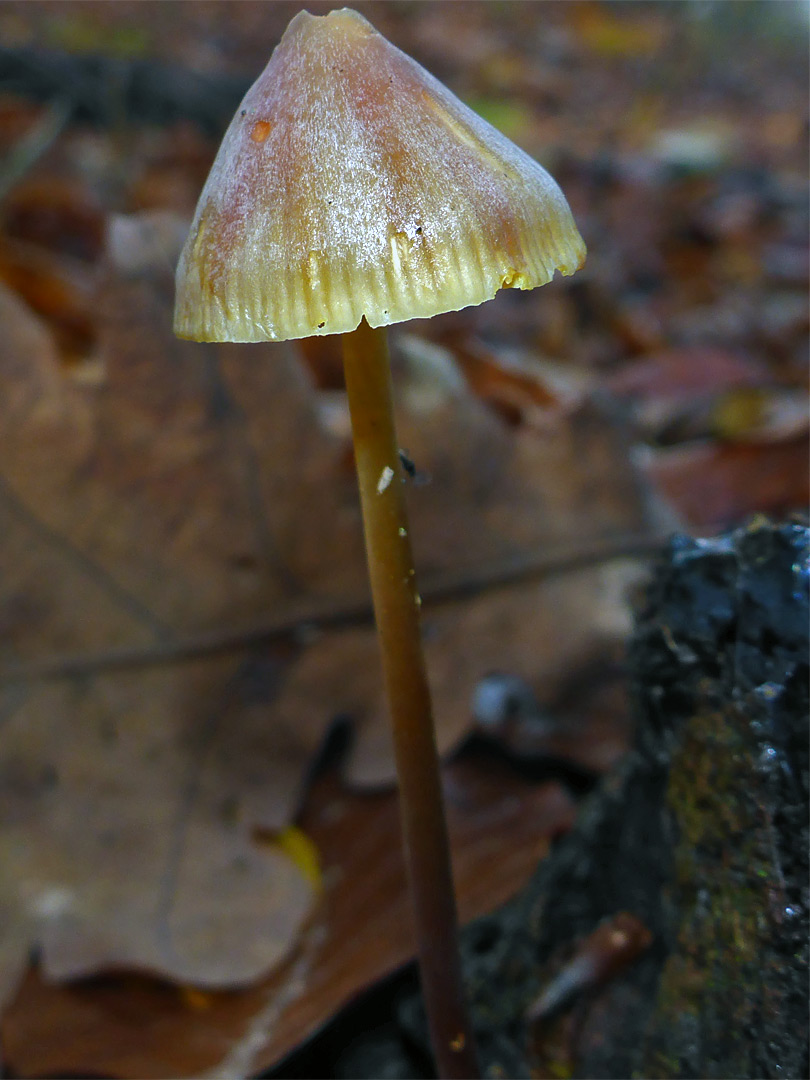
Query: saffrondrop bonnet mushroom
point(352, 190)
point(351, 184)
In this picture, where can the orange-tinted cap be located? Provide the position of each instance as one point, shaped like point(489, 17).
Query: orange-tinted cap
point(351, 183)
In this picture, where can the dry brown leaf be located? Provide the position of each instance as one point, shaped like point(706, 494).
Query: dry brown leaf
point(111, 855)
point(712, 485)
point(500, 827)
point(119, 528)
point(680, 376)
point(168, 489)
point(538, 631)
point(59, 288)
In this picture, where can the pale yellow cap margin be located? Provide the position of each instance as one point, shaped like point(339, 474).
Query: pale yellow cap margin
point(352, 184)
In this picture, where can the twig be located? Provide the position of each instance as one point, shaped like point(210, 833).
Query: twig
point(439, 589)
point(240, 1060)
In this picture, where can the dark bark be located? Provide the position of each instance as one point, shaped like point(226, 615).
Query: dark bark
point(703, 835)
point(667, 935)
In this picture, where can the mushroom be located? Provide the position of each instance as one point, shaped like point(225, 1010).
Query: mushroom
point(353, 190)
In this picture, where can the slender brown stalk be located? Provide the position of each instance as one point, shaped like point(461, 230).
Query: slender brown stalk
point(396, 609)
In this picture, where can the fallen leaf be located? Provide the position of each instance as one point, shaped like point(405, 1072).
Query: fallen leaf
point(53, 213)
point(713, 485)
point(190, 490)
point(118, 855)
point(681, 375)
point(129, 1026)
point(510, 629)
point(679, 395)
point(751, 415)
point(113, 858)
point(60, 289)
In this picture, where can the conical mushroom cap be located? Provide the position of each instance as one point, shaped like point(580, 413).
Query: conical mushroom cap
point(352, 184)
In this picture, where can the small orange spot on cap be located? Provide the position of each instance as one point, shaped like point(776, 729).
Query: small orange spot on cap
point(458, 1043)
point(260, 130)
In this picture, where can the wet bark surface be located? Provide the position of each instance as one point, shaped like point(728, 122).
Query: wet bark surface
point(667, 934)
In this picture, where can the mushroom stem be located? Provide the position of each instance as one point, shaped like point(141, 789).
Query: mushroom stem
point(396, 608)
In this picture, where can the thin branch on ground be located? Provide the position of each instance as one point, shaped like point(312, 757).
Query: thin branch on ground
point(438, 589)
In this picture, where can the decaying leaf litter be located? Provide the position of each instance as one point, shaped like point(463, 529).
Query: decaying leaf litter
point(173, 494)
point(187, 533)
